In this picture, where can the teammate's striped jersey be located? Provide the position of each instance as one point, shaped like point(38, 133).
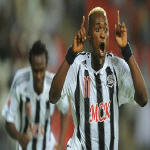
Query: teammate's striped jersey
point(95, 100)
point(30, 112)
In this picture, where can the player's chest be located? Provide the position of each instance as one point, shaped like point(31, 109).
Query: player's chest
point(94, 85)
point(32, 105)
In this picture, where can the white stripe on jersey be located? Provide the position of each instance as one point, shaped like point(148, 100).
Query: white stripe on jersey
point(31, 112)
point(95, 99)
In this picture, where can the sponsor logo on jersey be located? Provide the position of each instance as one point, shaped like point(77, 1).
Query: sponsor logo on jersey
point(99, 112)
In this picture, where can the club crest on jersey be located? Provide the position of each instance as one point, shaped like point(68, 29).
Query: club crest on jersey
point(110, 81)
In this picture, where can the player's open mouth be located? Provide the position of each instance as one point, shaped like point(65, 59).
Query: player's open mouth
point(101, 48)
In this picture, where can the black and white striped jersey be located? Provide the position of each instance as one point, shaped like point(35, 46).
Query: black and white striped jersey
point(95, 100)
point(30, 112)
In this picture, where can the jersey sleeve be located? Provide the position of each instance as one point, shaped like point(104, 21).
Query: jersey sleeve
point(70, 81)
point(10, 109)
point(63, 105)
point(125, 83)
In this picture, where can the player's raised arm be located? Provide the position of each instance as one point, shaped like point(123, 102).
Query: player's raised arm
point(79, 38)
point(121, 32)
point(141, 96)
point(58, 81)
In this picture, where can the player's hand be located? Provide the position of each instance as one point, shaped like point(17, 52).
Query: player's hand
point(79, 38)
point(24, 140)
point(120, 32)
point(57, 147)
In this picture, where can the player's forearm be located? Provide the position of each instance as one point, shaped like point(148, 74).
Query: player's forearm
point(12, 131)
point(141, 95)
point(58, 82)
point(64, 122)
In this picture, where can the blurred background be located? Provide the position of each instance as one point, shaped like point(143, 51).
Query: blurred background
point(55, 22)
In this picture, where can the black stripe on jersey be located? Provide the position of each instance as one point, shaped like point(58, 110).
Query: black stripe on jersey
point(81, 53)
point(84, 62)
point(87, 124)
point(26, 125)
point(117, 88)
point(77, 104)
point(111, 92)
point(37, 119)
point(26, 118)
point(109, 54)
point(44, 141)
point(46, 123)
point(100, 100)
point(21, 78)
point(21, 109)
point(37, 116)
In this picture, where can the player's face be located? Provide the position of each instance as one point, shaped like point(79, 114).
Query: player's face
point(99, 34)
point(38, 69)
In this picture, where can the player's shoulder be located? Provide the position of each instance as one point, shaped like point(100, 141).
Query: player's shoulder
point(22, 71)
point(22, 75)
point(49, 77)
point(81, 57)
point(115, 60)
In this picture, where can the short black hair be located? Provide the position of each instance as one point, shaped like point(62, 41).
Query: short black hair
point(38, 48)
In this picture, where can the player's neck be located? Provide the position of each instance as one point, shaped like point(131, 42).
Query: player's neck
point(38, 91)
point(96, 62)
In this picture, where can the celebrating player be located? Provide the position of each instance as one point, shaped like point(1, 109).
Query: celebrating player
point(28, 114)
point(98, 83)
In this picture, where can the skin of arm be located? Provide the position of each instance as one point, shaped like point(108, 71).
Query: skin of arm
point(141, 96)
point(58, 82)
point(23, 139)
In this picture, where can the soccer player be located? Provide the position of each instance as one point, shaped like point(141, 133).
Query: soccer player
point(98, 83)
point(28, 113)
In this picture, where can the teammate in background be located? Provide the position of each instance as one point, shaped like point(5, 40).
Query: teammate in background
point(28, 113)
point(98, 83)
